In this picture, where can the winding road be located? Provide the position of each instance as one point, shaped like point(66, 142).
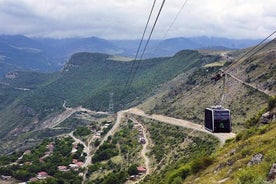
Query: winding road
point(222, 137)
point(51, 123)
point(144, 150)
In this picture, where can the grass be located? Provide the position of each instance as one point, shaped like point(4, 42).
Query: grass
point(231, 161)
point(172, 148)
point(191, 95)
point(120, 58)
point(216, 64)
point(87, 80)
point(117, 159)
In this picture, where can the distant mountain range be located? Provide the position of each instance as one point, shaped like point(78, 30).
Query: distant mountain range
point(19, 52)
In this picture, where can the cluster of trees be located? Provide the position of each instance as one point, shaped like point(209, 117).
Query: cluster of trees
point(33, 163)
point(82, 131)
point(125, 140)
point(118, 178)
point(184, 160)
point(5, 160)
point(105, 152)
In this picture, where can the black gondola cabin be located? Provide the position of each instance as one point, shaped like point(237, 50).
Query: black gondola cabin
point(217, 119)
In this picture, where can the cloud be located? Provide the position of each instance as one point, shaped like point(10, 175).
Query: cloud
point(125, 19)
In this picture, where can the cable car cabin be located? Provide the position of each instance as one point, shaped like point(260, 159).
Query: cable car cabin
point(217, 119)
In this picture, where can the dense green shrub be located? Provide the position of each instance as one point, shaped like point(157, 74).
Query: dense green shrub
point(118, 178)
point(82, 131)
point(271, 102)
point(200, 164)
point(132, 170)
point(105, 152)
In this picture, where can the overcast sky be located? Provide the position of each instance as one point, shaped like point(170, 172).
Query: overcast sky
point(125, 19)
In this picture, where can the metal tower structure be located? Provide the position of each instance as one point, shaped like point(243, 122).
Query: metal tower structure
point(111, 104)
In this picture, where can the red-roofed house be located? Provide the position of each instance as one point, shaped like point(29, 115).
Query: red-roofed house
point(141, 169)
point(42, 175)
point(63, 168)
point(51, 147)
point(79, 164)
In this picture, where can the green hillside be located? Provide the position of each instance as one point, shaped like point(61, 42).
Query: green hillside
point(186, 97)
point(87, 80)
point(191, 93)
point(178, 86)
point(236, 162)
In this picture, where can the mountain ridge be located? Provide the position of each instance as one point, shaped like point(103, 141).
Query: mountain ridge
point(18, 52)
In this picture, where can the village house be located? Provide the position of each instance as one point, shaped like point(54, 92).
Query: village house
point(42, 175)
point(5, 177)
point(141, 169)
point(74, 161)
point(98, 134)
point(48, 153)
point(51, 147)
point(75, 167)
point(106, 125)
point(11, 75)
point(63, 168)
point(27, 152)
point(80, 164)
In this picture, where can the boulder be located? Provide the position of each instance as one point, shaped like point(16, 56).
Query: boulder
point(257, 158)
point(266, 117)
point(272, 172)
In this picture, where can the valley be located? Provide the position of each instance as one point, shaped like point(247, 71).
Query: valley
point(137, 92)
point(156, 136)
point(123, 116)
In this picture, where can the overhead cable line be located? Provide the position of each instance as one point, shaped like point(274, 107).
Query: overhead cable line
point(260, 43)
point(171, 25)
point(254, 53)
point(175, 18)
point(261, 48)
point(140, 44)
point(149, 37)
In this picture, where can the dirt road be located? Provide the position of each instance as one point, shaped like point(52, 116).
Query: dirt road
point(120, 114)
point(87, 150)
point(246, 83)
point(182, 123)
point(144, 149)
point(56, 120)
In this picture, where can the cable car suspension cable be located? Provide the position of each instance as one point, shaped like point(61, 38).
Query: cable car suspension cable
point(149, 37)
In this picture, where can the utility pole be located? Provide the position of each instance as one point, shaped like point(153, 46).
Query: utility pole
point(111, 105)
